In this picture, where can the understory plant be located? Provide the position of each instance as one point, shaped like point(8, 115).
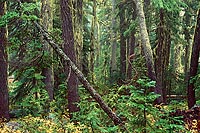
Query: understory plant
point(134, 105)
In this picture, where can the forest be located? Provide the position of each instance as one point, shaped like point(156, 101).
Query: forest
point(99, 66)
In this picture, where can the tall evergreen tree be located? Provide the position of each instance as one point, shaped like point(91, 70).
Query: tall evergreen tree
point(69, 49)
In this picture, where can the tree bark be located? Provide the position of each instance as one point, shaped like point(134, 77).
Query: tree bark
point(4, 99)
point(194, 64)
point(113, 62)
point(81, 78)
point(69, 49)
point(47, 22)
point(93, 42)
point(147, 48)
point(162, 54)
point(131, 47)
point(122, 43)
point(188, 47)
point(78, 30)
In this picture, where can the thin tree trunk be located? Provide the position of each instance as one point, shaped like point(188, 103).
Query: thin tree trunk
point(188, 47)
point(93, 42)
point(122, 44)
point(147, 48)
point(194, 64)
point(78, 30)
point(69, 49)
point(131, 48)
point(81, 78)
point(4, 104)
point(113, 63)
point(47, 22)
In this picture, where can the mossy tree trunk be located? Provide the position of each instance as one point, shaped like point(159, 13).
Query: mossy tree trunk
point(78, 30)
point(147, 49)
point(82, 78)
point(93, 42)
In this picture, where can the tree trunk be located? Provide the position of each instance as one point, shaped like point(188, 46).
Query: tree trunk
point(188, 47)
point(122, 43)
point(113, 62)
point(162, 55)
point(131, 47)
point(4, 104)
point(47, 22)
point(147, 49)
point(82, 78)
point(69, 49)
point(93, 42)
point(78, 30)
point(194, 64)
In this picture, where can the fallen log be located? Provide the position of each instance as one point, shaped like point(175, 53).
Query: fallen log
point(81, 77)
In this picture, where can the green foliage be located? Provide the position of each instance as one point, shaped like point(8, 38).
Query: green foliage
point(131, 28)
point(54, 124)
point(5, 19)
point(169, 5)
point(135, 107)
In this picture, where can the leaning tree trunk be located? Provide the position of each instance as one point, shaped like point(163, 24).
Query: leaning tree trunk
point(147, 48)
point(47, 22)
point(81, 78)
point(194, 64)
point(4, 104)
point(69, 49)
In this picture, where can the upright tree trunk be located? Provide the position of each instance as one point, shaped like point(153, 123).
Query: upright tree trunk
point(47, 22)
point(93, 41)
point(69, 49)
point(131, 55)
point(122, 43)
point(188, 47)
point(178, 68)
point(113, 62)
point(194, 63)
point(78, 30)
point(162, 55)
point(4, 104)
point(147, 48)
point(131, 47)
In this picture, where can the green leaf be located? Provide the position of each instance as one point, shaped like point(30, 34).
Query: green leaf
point(38, 76)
